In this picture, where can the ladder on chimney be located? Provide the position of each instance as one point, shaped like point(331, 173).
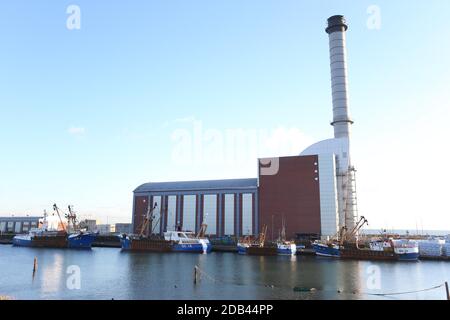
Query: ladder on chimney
point(350, 199)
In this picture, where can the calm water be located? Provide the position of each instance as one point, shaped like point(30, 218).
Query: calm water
point(111, 274)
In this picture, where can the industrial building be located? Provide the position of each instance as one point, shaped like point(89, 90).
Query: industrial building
point(121, 228)
point(313, 193)
point(18, 224)
point(229, 207)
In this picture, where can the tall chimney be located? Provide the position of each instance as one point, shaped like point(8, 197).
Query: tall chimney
point(345, 175)
point(337, 26)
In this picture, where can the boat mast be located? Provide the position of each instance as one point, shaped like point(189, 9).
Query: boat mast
point(262, 236)
point(283, 230)
point(147, 218)
point(347, 236)
point(72, 218)
point(202, 232)
point(55, 207)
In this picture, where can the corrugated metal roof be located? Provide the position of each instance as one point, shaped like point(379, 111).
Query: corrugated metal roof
point(21, 218)
point(198, 185)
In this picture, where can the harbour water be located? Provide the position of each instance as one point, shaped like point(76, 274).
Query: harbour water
point(105, 274)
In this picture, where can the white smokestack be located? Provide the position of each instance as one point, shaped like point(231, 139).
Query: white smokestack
point(336, 29)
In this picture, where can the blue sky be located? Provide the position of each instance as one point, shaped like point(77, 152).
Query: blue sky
point(88, 115)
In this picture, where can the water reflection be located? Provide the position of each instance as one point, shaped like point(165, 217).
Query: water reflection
point(109, 273)
point(51, 274)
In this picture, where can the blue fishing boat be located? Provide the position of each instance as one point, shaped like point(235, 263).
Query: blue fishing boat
point(285, 247)
point(81, 240)
point(249, 245)
point(53, 233)
point(172, 241)
point(349, 245)
point(326, 249)
point(183, 241)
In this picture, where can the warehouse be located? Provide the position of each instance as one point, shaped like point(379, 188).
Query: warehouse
point(302, 193)
point(18, 224)
point(313, 193)
point(228, 207)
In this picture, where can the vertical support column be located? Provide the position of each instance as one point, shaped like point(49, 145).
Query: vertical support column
point(219, 219)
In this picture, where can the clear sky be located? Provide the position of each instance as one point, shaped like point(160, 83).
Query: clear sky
point(87, 115)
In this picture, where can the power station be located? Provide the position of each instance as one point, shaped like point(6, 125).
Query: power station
point(313, 193)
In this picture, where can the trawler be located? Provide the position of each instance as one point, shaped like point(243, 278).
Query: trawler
point(348, 246)
point(146, 240)
point(54, 233)
point(256, 246)
point(172, 241)
point(285, 247)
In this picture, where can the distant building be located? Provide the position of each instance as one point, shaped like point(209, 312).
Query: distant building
point(105, 228)
point(89, 224)
point(124, 228)
point(18, 224)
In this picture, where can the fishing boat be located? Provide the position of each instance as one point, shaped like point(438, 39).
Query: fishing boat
point(382, 249)
point(348, 245)
point(172, 241)
point(256, 246)
point(184, 241)
point(54, 233)
point(285, 247)
point(146, 239)
point(327, 249)
point(144, 243)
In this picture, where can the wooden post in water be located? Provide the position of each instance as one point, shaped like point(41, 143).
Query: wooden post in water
point(446, 289)
point(195, 275)
point(35, 266)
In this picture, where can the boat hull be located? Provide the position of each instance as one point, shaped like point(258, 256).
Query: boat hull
point(75, 241)
point(41, 241)
point(286, 249)
point(81, 241)
point(361, 254)
point(192, 247)
point(408, 257)
point(358, 254)
point(148, 245)
point(257, 251)
point(326, 251)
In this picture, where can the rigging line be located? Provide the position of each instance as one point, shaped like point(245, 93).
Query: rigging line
point(407, 292)
point(213, 279)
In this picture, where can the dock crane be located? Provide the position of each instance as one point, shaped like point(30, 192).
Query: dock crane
point(262, 236)
point(346, 236)
point(55, 208)
point(71, 217)
point(148, 217)
point(202, 232)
